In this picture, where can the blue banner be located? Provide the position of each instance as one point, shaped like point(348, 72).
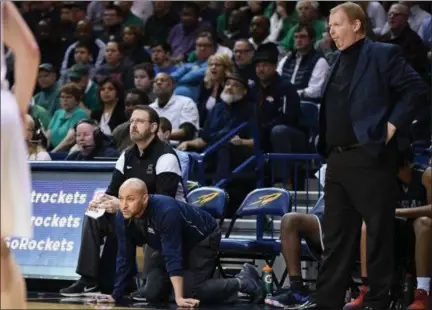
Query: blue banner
point(59, 202)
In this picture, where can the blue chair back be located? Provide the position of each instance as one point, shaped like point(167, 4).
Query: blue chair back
point(191, 185)
point(266, 201)
point(310, 111)
point(58, 155)
point(319, 207)
point(213, 199)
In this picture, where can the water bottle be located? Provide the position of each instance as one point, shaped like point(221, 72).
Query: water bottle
point(408, 293)
point(267, 278)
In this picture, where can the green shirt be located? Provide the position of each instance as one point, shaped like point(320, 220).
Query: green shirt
point(49, 98)
point(132, 19)
point(288, 42)
point(91, 97)
point(60, 124)
point(42, 115)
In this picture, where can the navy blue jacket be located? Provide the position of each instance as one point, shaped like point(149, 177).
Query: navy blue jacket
point(223, 118)
point(168, 225)
point(384, 88)
point(277, 104)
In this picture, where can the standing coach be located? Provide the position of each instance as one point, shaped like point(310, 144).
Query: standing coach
point(370, 98)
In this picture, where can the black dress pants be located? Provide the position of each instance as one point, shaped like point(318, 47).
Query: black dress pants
point(358, 186)
point(90, 263)
point(199, 266)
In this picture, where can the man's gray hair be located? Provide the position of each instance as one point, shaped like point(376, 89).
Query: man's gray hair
point(314, 4)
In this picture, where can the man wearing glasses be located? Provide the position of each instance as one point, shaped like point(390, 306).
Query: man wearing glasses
point(150, 160)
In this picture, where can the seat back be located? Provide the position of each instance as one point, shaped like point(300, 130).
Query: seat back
point(262, 203)
point(319, 207)
point(191, 185)
point(213, 199)
point(58, 155)
point(266, 201)
point(310, 111)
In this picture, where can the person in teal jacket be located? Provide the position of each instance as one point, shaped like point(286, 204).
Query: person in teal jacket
point(61, 132)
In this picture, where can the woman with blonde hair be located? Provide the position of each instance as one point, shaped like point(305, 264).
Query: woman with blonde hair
point(36, 140)
point(219, 67)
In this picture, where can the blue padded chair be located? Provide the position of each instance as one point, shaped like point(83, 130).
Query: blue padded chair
point(215, 201)
point(58, 155)
point(191, 185)
point(259, 203)
point(310, 111)
point(212, 199)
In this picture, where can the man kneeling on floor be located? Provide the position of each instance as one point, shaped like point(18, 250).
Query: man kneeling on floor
point(186, 240)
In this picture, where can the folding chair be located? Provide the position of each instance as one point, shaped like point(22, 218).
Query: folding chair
point(215, 201)
point(259, 203)
point(212, 199)
point(191, 185)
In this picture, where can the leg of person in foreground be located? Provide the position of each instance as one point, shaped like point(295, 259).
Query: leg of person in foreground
point(422, 225)
point(15, 175)
point(294, 228)
point(13, 290)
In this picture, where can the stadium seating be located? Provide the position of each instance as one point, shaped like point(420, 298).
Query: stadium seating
point(259, 203)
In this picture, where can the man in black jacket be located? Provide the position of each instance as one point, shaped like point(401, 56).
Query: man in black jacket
point(150, 160)
point(186, 239)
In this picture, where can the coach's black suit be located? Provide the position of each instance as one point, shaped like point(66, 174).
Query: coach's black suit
point(380, 87)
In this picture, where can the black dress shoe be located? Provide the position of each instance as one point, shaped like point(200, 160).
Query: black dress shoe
point(306, 306)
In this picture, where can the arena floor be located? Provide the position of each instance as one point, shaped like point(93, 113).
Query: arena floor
point(54, 301)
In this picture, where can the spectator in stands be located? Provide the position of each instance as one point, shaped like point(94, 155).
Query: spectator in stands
point(259, 31)
point(95, 14)
point(308, 14)
point(305, 67)
point(82, 56)
point(189, 76)
point(39, 113)
point(161, 58)
point(223, 19)
point(401, 34)
point(110, 114)
point(181, 111)
point(49, 94)
point(134, 51)
point(112, 19)
point(115, 65)
point(164, 133)
point(162, 176)
point(84, 35)
point(234, 29)
point(220, 66)
point(187, 240)
point(60, 132)
point(281, 20)
point(416, 15)
point(243, 60)
point(129, 18)
point(425, 32)
point(159, 25)
point(134, 97)
point(66, 27)
point(48, 41)
point(183, 36)
point(36, 140)
point(144, 75)
point(278, 110)
point(91, 142)
point(233, 109)
point(376, 14)
point(80, 74)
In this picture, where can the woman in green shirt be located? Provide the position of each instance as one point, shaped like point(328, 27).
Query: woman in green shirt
point(60, 134)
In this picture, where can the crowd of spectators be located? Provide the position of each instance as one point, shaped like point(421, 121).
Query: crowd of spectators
point(204, 66)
